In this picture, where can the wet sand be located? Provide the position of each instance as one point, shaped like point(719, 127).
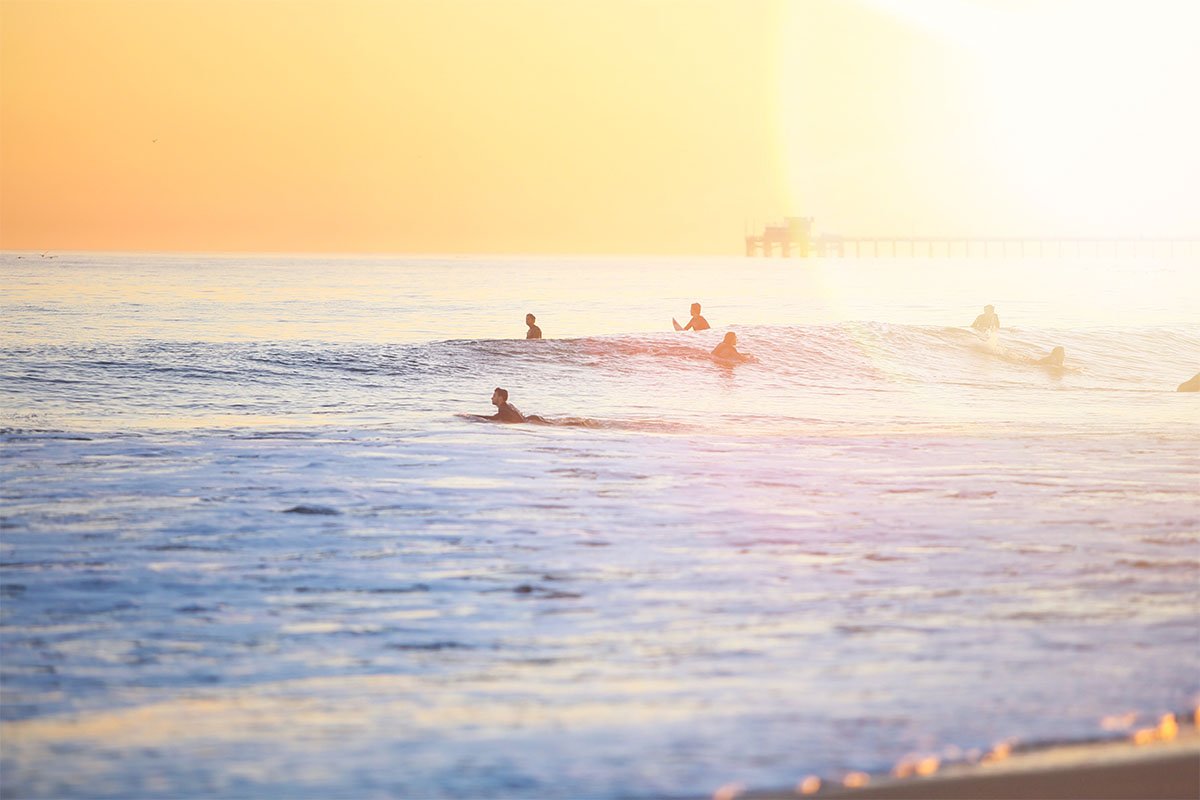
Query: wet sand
point(1097, 771)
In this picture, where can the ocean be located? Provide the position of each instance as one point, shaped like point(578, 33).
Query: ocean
point(248, 547)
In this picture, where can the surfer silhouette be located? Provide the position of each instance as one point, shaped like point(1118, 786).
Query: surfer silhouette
point(987, 321)
point(534, 331)
point(505, 411)
point(1055, 359)
point(696, 323)
point(1192, 385)
point(727, 349)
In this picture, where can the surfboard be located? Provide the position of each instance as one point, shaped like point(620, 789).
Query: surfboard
point(675, 322)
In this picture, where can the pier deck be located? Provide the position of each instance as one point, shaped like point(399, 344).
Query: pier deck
point(795, 237)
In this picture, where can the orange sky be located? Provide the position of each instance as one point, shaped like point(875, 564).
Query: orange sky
point(654, 126)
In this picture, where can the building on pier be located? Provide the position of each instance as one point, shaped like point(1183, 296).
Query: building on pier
point(794, 233)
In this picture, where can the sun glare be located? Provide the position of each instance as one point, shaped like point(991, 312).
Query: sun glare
point(1062, 118)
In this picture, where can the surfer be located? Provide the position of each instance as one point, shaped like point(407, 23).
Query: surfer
point(1055, 359)
point(987, 321)
point(534, 331)
point(1190, 386)
point(696, 323)
point(505, 411)
point(727, 349)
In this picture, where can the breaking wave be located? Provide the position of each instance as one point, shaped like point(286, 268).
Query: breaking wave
point(849, 353)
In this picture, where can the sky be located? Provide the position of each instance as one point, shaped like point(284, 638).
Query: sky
point(624, 126)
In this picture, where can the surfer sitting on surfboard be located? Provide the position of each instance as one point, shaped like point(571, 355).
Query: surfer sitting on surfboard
point(696, 323)
point(987, 321)
point(534, 331)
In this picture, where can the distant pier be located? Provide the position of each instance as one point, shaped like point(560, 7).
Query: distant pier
point(795, 237)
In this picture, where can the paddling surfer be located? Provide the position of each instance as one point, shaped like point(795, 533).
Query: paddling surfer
point(1055, 359)
point(727, 349)
point(506, 411)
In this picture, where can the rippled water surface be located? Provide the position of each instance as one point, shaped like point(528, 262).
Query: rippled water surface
point(248, 548)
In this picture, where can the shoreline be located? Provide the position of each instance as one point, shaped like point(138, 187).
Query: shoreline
point(1154, 764)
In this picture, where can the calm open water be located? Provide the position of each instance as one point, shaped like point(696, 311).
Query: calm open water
point(248, 549)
